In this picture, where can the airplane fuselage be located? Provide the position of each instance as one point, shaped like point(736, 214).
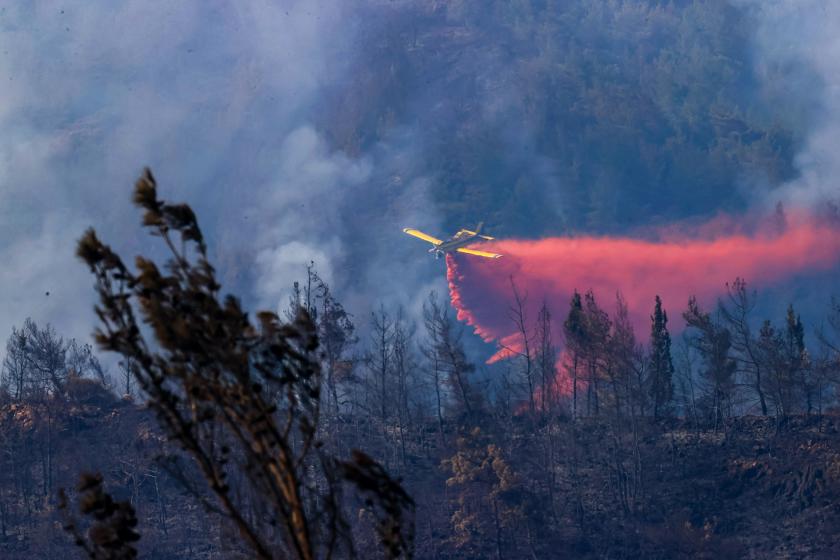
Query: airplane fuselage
point(456, 243)
point(452, 244)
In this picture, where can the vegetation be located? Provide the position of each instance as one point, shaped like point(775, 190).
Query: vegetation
point(315, 433)
point(111, 535)
point(243, 401)
point(550, 117)
point(592, 458)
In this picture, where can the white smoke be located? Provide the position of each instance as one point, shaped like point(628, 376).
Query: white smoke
point(203, 93)
point(219, 100)
point(346, 215)
point(798, 54)
point(300, 216)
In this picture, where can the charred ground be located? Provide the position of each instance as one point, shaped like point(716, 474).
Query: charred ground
point(756, 487)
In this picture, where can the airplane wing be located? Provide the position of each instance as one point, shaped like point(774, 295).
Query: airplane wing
point(425, 237)
point(478, 235)
point(479, 253)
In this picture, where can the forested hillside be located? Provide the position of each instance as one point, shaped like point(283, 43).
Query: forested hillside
point(546, 118)
point(355, 413)
point(491, 476)
point(627, 447)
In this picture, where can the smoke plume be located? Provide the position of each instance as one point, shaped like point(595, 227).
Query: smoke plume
point(222, 101)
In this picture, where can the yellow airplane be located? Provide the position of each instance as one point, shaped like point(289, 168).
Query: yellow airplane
point(455, 243)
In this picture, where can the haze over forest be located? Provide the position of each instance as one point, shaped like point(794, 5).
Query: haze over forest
point(652, 148)
point(593, 117)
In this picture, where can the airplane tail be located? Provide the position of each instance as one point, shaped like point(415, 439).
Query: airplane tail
point(478, 228)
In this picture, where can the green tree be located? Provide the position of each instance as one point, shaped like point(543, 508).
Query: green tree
point(597, 343)
point(779, 383)
point(628, 367)
point(661, 364)
point(574, 330)
point(796, 359)
point(546, 359)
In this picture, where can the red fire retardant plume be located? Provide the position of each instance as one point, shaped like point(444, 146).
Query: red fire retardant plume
point(675, 265)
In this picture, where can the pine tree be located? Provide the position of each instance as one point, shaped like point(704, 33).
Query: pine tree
point(574, 329)
point(796, 358)
point(546, 359)
point(771, 348)
point(597, 341)
point(661, 365)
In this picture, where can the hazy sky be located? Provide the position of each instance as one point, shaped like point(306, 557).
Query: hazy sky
point(220, 101)
point(216, 99)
